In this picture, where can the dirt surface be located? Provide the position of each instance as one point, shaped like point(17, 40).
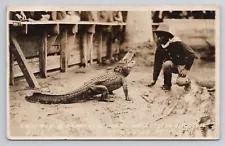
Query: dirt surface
point(152, 113)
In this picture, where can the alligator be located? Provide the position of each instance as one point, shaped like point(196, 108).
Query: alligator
point(104, 85)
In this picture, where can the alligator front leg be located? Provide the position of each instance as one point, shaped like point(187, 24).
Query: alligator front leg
point(125, 89)
point(100, 89)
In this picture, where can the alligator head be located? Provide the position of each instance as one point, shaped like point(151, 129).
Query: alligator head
point(127, 58)
point(126, 69)
point(126, 63)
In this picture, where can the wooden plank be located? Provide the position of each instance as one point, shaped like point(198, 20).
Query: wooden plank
point(11, 67)
point(34, 63)
point(71, 44)
point(63, 51)
point(43, 57)
point(51, 63)
point(20, 58)
point(72, 30)
point(65, 22)
point(51, 40)
point(155, 24)
point(30, 44)
point(75, 56)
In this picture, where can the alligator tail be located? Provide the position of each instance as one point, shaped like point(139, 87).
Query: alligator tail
point(76, 96)
point(49, 99)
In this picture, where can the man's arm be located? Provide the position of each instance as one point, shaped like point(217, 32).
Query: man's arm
point(159, 56)
point(190, 56)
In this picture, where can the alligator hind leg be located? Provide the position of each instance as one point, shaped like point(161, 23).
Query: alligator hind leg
point(100, 89)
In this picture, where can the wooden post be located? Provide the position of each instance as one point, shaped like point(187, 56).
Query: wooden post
point(83, 48)
point(63, 50)
point(20, 58)
point(11, 67)
point(43, 56)
point(109, 46)
point(99, 47)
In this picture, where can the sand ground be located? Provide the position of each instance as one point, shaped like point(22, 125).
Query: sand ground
point(152, 113)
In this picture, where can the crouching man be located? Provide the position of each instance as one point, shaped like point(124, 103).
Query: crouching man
point(173, 56)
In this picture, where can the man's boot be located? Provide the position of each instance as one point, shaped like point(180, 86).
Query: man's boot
point(167, 71)
point(167, 80)
point(166, 87)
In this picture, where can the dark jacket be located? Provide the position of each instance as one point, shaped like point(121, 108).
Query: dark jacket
point(178, 52)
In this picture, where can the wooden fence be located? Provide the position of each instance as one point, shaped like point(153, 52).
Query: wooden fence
point(32, 45)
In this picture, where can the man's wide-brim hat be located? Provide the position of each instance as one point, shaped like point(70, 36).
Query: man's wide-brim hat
point(163, 30)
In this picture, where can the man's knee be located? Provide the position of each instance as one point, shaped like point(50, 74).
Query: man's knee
point(167, 65)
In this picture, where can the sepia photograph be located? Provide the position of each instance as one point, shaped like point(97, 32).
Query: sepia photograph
point(113, 72)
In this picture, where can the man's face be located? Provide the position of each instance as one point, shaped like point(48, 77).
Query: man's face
point(162, 39)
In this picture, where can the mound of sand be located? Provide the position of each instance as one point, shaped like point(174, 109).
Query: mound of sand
point(197, 106)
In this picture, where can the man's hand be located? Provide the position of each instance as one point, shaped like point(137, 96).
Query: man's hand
point(152, 83)
point(183, 73)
